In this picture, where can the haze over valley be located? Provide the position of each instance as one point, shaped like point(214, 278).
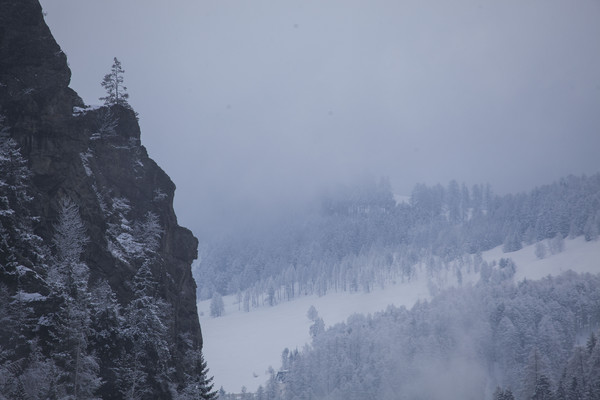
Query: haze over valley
point(300, 200)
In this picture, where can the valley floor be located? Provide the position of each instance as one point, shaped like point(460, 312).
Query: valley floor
point(241, 346)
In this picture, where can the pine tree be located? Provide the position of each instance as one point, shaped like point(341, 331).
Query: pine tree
point(205, 382)
point(591, 231)
point(574, 390)
point(260, 393)
point(116, 92)
point(500, 394)
point(40, 376)
point(107, 325)
point(540, 250)
point(532, 373)
point(577, 369)
point(508, 395)
point(317, 327)
point(18, 243)
point(594, 370)
point(312, 314)
point(106, 123)
point(198, 385)
point(72, 325)
point(69, 240)
point(148, 234)
point(217, 307)
point(542, 389)
point(146, 327)
point(246, 301)
point(561, 393)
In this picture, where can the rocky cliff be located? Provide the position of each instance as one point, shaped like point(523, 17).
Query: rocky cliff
point(89, 241)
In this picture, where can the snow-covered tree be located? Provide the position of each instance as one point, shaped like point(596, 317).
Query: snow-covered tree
point(67, 272)
point(591, 230)
point(504, 395)
point(317, 327)
point(131, 377)
point(198, 385)
point(18, 243)
point(260, 393)
point(312, 313)
point(70, 234)
point(217, 306)
point(593, 348)
point(148, 233)
point(512, 242)
point(574, 390)
point(106, 123)
point(146, 326)
point(71, 328)
point(39, 375)
point(540, 250)
point(556, 244)
point(107, 339)
point(543, 390)
point(80, 369)
point(246, 300)
point(116, 92)
point(561, 393)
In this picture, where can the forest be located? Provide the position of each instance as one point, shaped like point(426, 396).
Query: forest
point(358, 236)
point(494, 340)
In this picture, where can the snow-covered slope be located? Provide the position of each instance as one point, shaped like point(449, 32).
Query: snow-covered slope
point(240, 347)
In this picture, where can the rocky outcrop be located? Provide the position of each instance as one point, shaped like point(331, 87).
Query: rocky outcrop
point(94, 157)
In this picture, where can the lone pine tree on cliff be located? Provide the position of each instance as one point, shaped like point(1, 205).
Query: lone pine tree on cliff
point(116, 92)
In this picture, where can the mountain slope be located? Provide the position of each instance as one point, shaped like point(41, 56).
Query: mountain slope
point(256, 339)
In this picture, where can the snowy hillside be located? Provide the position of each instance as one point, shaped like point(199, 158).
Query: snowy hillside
point(240, 346)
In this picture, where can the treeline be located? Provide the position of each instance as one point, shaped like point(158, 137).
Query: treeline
point(358, 236)
point(492, 340)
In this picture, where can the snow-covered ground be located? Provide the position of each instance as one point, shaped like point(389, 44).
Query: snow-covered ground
point(578, 255)
point(239, 347)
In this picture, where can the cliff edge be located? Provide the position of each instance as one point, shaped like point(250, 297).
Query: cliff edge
point(92, 260)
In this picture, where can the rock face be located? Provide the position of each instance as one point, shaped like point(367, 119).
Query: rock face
point(93, 160)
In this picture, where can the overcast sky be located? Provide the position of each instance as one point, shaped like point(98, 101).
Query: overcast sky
point(258, 102)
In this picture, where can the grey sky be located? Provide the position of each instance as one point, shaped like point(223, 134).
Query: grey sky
point(259, 102)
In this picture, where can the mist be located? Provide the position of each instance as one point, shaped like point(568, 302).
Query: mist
point(425, 173)
point(253, 107)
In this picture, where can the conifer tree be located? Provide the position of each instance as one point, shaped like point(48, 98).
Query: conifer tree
point(72, 325)
point(107, 339)
point(116, 92)
point(574, 390)
point(205, 384)
point(17, 239)
point(70, 237)
point(501, 394)
point(146, 327)
point(594, 369)
point(561, 393)
point(542, 389)
point(508, 395)
point(198, 384)
point(217, 307)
